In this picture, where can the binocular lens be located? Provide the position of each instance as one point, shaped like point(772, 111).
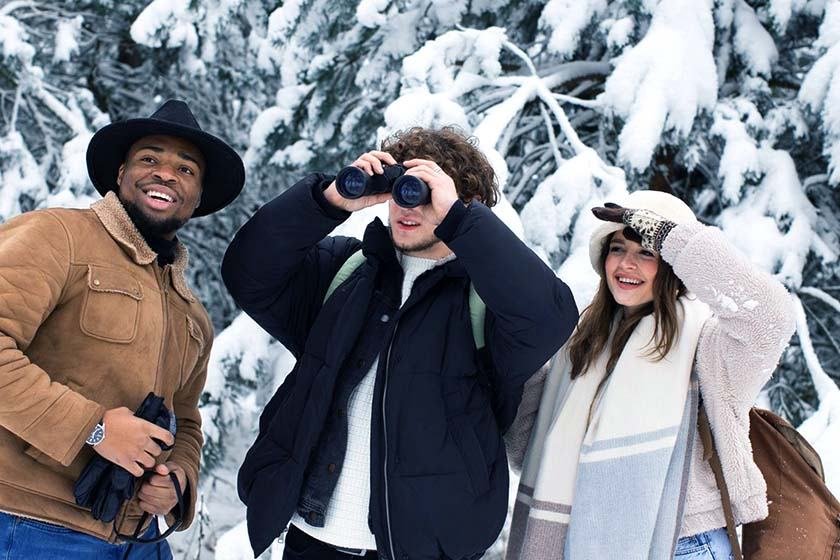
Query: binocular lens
point(410, 191)
point(407, 191)
point(351, 182)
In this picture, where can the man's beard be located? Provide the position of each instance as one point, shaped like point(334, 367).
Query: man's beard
point(148, 226)
point(420, 245)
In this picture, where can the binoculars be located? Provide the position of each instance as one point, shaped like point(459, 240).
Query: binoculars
point(408, 191)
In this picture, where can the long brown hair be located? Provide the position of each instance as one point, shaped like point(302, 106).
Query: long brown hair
point(593, 332)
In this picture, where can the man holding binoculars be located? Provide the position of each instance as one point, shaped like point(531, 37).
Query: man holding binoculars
point(385, 439)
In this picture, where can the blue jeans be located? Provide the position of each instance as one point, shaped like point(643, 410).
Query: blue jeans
point(35, 540)
point(711, 545)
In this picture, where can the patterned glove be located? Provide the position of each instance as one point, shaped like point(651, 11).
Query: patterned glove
point(651, 227)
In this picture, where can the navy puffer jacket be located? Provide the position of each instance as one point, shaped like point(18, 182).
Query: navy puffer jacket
point(439, 476)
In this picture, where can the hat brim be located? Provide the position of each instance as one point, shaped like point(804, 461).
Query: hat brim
point(223, 176)
point(596, 243)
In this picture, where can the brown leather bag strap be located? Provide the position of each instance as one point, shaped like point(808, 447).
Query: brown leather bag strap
point(711, 455)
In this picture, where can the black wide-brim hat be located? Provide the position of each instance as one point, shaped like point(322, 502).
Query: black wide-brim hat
point(224, 173)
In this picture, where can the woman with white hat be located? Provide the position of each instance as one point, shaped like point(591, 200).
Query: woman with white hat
point(614, 467)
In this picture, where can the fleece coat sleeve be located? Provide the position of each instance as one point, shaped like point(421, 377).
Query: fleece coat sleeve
point(753, 316)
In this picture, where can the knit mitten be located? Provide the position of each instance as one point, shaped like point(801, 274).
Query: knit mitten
point(651, 227)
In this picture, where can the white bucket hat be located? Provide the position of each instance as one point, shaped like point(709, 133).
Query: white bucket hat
point(666, 205)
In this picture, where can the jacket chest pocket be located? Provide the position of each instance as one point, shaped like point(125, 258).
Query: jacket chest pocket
point(111, 308)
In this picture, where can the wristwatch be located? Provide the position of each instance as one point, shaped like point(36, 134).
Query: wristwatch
point(97, 435)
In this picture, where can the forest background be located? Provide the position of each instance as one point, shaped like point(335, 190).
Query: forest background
point(732, 105)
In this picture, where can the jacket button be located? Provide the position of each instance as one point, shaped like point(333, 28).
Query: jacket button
point(360, 363)
point(331, 468)
point(385, 318)
point(312, 517)
point(96, 282)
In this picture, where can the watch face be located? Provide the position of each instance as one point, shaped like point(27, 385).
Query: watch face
point(97, 435)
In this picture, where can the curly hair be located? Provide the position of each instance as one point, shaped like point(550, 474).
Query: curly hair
point(455, 153)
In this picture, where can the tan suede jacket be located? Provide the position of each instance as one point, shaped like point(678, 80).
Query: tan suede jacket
point(89, 322)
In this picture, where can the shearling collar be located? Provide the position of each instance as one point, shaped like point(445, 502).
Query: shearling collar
point(113, 216)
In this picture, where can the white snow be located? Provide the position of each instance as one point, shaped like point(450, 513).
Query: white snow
point(243, 341)
point(370, 12)
point(822, 429)
point(74, 173)
point(420, 108)
point(165, 22)
point(271, 119)
point(620, 32)
point(66, 44)
point(740, 158)
point(830, 27)
point(565, 19)
point(298, 154)
point(23, 176)
point(663, 82)
point(170, 24)
point(752, 42)
point(434, 65)
point(752, 224)
point(13, 40)
point(820, 89)
point(780, 11)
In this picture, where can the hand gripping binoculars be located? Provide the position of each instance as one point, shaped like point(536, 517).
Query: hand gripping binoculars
point(408, 191)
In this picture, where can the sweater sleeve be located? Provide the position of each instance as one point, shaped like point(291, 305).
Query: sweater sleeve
point(519, 434)
point(753, 316)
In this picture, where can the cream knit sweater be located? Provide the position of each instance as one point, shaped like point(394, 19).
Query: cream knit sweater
point(346, 522)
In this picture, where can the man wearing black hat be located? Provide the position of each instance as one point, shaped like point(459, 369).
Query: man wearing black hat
point(95, 313)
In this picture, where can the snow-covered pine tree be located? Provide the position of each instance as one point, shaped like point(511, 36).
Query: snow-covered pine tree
point(732, 104)
point(48, 111)
point(726, 103)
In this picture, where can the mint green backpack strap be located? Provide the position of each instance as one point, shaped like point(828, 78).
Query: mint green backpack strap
point(477, 308)
point(477, 312)
point(351, 264)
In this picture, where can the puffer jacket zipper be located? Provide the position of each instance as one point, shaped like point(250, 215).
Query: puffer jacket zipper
point(385, 439)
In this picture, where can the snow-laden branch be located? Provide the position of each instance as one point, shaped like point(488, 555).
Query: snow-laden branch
point(824, 385)
point(589, 103)
point(666, 80)
point(547, 96)
point(73, 121)
point(12, 6)
point(555, 149)
point(822, 296)
point(821, 88)
point(753, 223)
point(564, 20)
point(822, 428)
